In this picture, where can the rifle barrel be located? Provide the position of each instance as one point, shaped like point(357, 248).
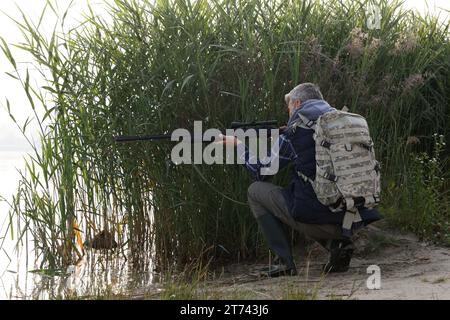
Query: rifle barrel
point(234, 125)
point(138, 138)
point(153, 137)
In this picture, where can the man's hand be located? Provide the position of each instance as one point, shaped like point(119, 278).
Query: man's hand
point(228, 140)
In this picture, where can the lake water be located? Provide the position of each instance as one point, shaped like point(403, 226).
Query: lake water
point(95, 274)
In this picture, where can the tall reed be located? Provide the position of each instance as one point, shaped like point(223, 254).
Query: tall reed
point(160, 66)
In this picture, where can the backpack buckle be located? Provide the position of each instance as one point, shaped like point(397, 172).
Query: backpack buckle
point(368, 147)
point(310, 123)
point(325, 144)
point(377, 167)
point(376, 198)
point(330, 177)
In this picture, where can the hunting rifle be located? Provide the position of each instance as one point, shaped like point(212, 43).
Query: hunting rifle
point(257, 125)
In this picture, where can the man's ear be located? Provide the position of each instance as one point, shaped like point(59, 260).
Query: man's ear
point(297, 103)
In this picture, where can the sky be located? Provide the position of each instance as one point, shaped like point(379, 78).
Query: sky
point(11, 139)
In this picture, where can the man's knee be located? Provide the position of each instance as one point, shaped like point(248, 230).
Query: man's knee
point(255, 198)
point(253, 190)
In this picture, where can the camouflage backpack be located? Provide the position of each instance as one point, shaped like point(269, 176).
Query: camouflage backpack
point(347, 173)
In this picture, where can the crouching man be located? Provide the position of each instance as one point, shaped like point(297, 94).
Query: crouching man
point(297, 205)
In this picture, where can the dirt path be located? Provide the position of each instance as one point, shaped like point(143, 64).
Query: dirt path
point(410, 269)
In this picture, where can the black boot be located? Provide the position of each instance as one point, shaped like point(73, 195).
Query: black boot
point(341, 252)
point(273, 231)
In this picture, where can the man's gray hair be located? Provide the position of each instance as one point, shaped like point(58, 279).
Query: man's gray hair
point(303, 92)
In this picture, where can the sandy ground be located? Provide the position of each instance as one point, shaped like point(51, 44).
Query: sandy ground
point(409, 269)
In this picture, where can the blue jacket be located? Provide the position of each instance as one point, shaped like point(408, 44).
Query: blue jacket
point(298, 147)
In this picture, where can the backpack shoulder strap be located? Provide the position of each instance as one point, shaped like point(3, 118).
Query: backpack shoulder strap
point(298, 123)
point(307, 123)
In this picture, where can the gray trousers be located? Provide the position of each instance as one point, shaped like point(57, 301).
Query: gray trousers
point(267, 198)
